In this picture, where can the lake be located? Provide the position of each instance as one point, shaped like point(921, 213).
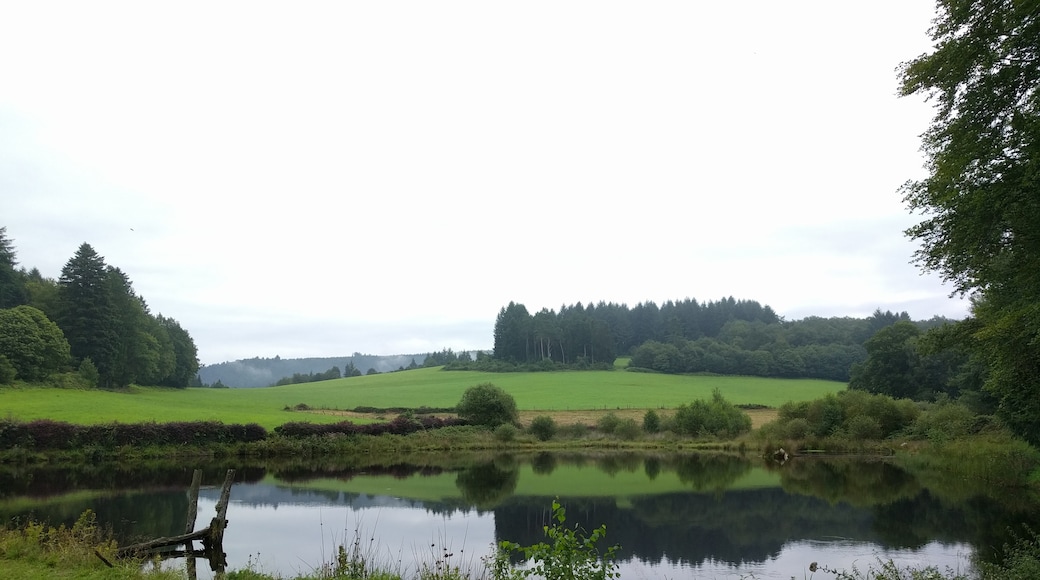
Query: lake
point(674, 515)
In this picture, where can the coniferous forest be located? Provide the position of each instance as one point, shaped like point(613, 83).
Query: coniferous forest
point(88, 328)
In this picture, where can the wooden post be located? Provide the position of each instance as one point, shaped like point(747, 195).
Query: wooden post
point(189, 527)
point(214, 542)
point(212, 537)
point(193, 501)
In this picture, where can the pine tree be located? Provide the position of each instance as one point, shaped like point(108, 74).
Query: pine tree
point(87, 313)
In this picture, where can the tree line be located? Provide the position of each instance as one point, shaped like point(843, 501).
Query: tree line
point(727, 336)
point(90, 321)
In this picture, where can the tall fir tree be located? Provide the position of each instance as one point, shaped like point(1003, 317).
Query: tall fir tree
point(12, 284)
point(87, 314)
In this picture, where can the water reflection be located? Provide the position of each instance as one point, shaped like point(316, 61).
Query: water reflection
point(675, 515)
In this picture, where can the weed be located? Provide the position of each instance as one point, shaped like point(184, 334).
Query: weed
point(570, 554)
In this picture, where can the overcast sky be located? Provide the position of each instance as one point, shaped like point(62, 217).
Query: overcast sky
point(315, 179)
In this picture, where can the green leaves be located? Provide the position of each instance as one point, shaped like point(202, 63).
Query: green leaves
point(981, 197)
point(486, 404)
point(569, 554)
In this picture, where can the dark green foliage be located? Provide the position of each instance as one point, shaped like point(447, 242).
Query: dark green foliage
point(300, 378)
point(981, 197)
point(651, 421)
point(569, 554)
point(87, 312)
point(185, 354)
point(717, 418)
point(505, 432)
point(856, 414)
point(88, 372)
point(31, 343)
point(486, 404)
point(13, 291)
point(543, 427)
point(891, 360)
point(608, 423)
point(627, 429)
point(1021, 559)
point(574, 337)
point(7, 371)
point(948, 420)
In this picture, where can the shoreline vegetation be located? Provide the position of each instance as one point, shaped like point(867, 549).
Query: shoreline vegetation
point(939, 441)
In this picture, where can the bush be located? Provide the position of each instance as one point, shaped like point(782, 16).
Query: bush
point(569, 553)
point(89, 373)
point(486, 404)
point(942, 422)
point(718, 418)
point(608, 423)
point(651, 421)
point(797, 428)
point(574, 430)
point(7, 371)
point(628, 429)
point(505, 432)
point(543, 427)
point(863, 427)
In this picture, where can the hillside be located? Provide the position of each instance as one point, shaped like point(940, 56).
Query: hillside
point(264, 372)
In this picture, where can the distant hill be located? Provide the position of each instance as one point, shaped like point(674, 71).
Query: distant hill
point(264, 372)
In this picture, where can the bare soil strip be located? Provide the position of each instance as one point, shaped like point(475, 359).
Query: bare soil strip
point(759, 417)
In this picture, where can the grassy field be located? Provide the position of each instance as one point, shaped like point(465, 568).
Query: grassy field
point(557, 391)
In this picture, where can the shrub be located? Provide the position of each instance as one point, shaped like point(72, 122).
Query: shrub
point(651, 421)
point(7, 371)
point(486, 404)
point(942, 422)
point(569, 553)
point(608, 423)
point(628, 429)
point(89, 373)
point(505, 432)
point(543, 427)
point(863, 427)
point(574, 430)
point(1021, 558)
point(718, 418)
point(797, 428)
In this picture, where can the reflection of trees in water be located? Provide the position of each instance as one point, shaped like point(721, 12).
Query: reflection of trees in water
point(615, 463)
point(485, 485)
point(866, 501)
point(48, 480)
point(710, 472)
point(652, 467)
point(859, 482)
point(692, 528)
point(543, 463)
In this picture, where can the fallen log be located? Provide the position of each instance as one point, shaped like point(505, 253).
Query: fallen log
point(212, 536)
point(152, 545)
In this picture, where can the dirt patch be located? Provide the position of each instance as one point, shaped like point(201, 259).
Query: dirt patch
point(589, 417)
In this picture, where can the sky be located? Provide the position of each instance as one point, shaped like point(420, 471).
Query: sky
point(322, 178)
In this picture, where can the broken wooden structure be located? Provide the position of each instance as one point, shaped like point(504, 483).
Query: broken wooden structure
point(212, 536)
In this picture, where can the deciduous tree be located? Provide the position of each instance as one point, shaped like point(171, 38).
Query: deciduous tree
point(981, 196)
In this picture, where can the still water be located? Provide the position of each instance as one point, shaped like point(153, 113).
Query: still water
point(675, 516)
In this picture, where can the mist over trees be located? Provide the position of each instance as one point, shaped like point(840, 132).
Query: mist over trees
point(90, 320)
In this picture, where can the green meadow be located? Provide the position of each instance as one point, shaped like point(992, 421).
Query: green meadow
point(432, 387)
